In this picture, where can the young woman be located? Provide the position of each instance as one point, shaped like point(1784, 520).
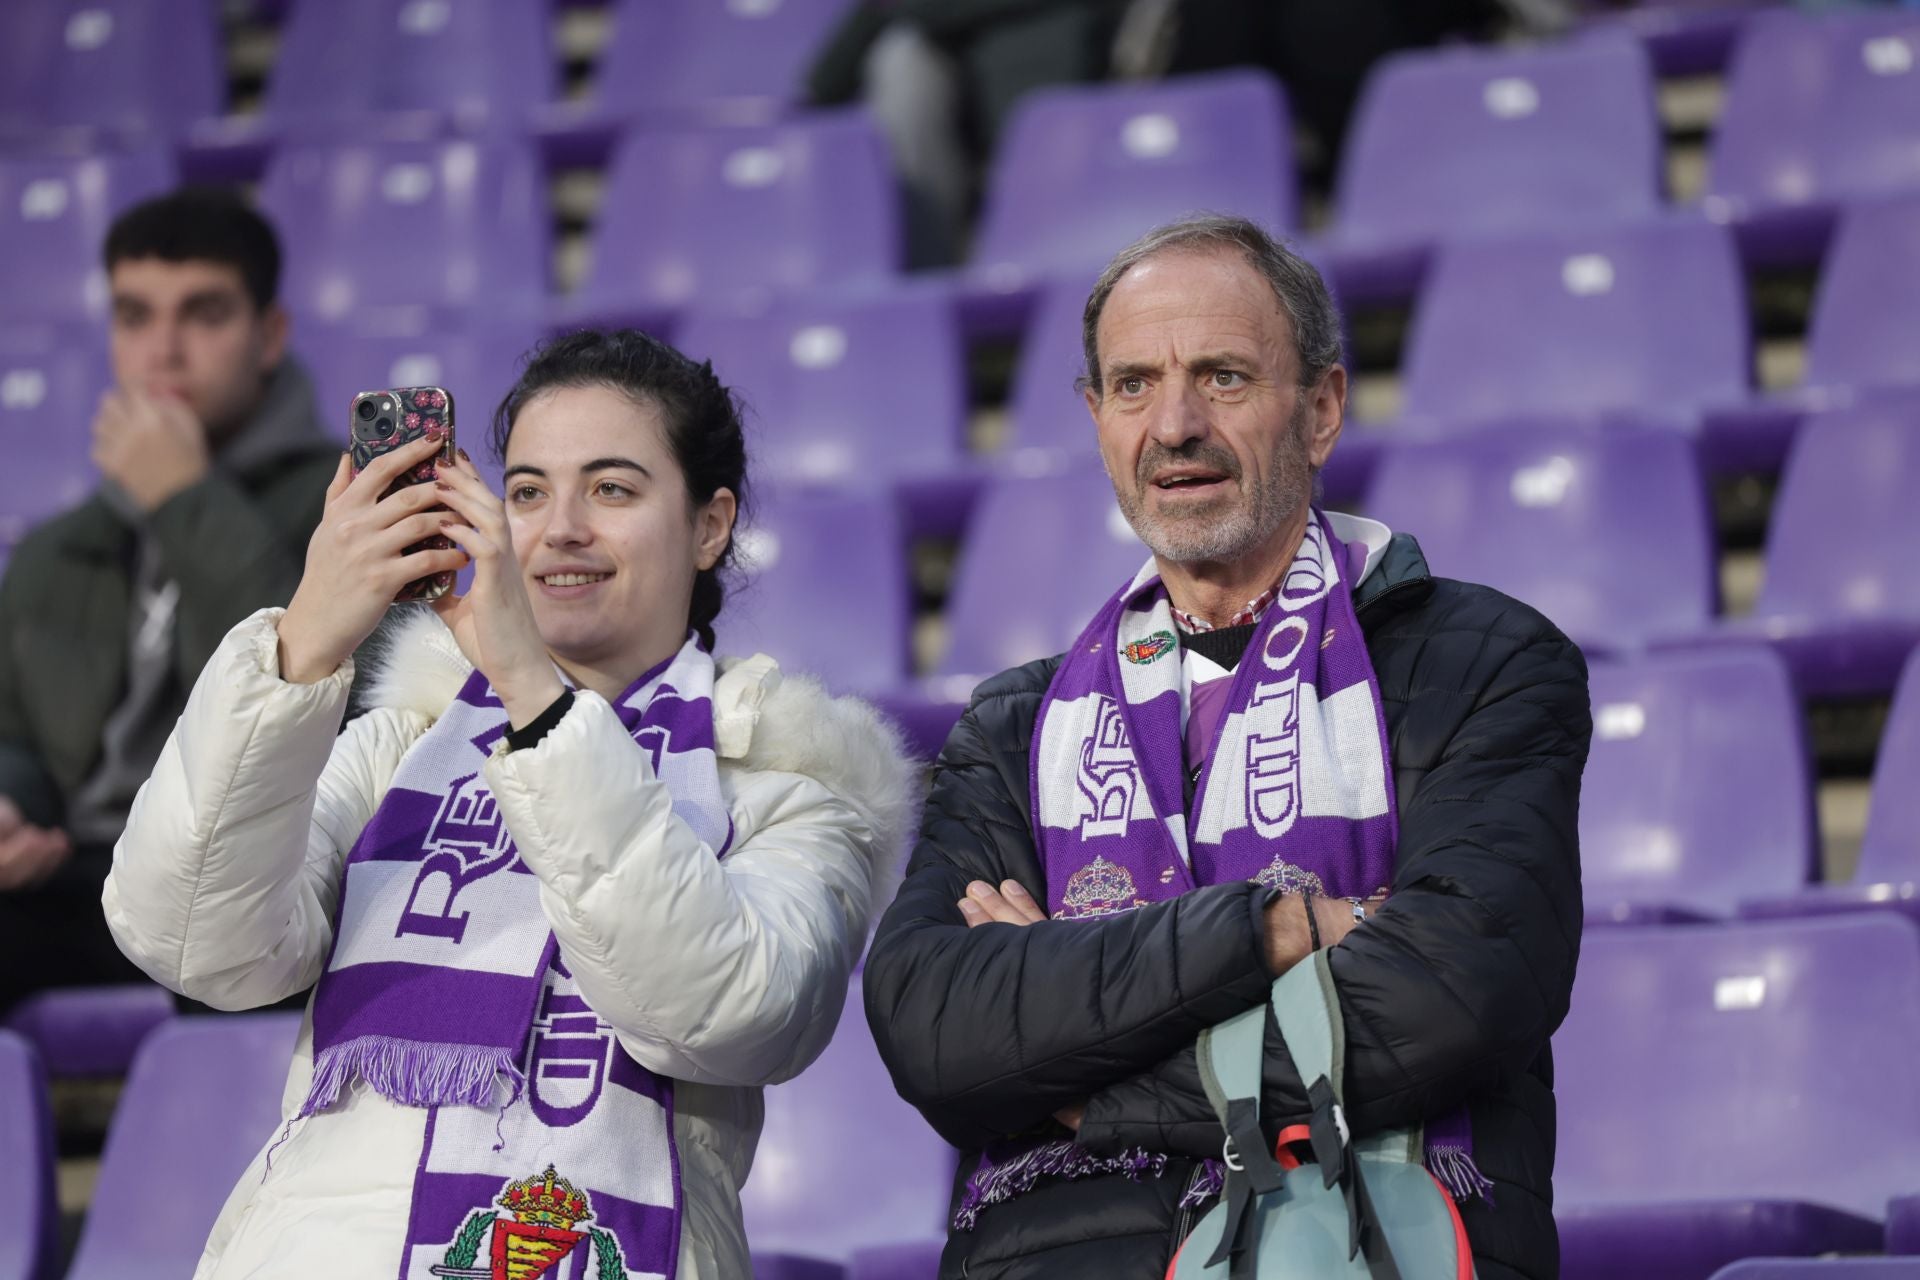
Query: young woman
point(571, 892)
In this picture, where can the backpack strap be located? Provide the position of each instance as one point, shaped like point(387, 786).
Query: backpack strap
point(1231, 1056)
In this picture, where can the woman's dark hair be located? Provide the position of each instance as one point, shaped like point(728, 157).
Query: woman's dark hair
point(702, 424)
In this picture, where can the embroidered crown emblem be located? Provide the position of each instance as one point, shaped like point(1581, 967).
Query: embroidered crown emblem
point(1141, 652)
point(547, 1201)
point(1100, 888)
point(1281, 874)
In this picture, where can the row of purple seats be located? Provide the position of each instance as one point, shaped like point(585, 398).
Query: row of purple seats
point(29, 1248)
point(1890, 1268)
point(846, 1173)
point(87, 72)
point(1735, 1091)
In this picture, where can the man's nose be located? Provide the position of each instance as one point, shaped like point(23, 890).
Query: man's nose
point(1179, 415)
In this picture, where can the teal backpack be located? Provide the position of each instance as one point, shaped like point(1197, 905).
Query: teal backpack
point(1365, 1209)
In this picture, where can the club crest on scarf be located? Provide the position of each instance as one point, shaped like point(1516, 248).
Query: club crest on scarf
point(546, 1220)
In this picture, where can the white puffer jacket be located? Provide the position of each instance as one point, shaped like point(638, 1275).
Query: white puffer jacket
point(724, 975)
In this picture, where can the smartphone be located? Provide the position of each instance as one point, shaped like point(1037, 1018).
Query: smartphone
point(382, 421)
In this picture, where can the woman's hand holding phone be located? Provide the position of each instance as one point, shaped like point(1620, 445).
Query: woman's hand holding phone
point(357, 561)
point(494, 623)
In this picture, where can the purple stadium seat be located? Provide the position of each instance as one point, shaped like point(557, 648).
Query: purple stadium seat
point(1606, 532)
point(1083, 170)
point(732, 217)
point(1736, 1090)
point(1461, 142)
point(1868, 304)
point(54, 214)
point(51, 381)
point(1042, 554)
point(1648, 320)
point(843, 1163)
point(1697, 792)
point(1821, 1269)
point(414, 67)
point(917, 1261)
point(1819, 109)
point(1888, 875)
point(1049, 417)
point(86, 74)
point(826, 588)
point(450, 225)
point(29, 1247)
point(1842, 593)
point(203, 1095)
point(91, 1031)
point(478, 362)
point(842, 390)
point(739, 62)
point(1683, 37)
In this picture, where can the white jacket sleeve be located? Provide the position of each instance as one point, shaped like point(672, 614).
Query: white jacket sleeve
point(224, 884)
point(729, 972)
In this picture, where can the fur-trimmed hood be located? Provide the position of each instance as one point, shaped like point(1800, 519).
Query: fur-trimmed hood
point(764, 719)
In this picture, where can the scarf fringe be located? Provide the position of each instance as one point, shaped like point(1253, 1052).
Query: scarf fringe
point(995, 1182)
point(1455, 1170)
point(1212, 1180)
point(413, 1074)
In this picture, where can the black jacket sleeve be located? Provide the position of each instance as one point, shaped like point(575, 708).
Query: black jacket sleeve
point(1468, 968)
point(23, 776)
point(990, 1030)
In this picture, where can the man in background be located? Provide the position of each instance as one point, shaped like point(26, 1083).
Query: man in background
point(213, 466)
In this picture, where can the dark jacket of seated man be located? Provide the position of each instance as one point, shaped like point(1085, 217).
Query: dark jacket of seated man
point(1011, 1030)
point(214, 467)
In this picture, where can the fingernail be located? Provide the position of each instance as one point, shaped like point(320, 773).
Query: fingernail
point(1012, 889)
point(980, 889)
point(463, 455)
point(970, 909)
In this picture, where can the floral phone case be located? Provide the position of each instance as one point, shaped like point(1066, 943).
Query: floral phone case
point(385, 420)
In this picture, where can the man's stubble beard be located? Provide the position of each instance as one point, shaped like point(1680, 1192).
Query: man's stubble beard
point(1223, 530)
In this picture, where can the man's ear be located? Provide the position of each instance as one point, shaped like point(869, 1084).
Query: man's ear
point(274, 326)
point(1328, 416)
point(713, 528)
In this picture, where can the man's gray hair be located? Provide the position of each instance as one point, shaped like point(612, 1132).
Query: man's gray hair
point(1296, 283)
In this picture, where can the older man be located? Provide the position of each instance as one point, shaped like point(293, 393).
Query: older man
point(1285, 733)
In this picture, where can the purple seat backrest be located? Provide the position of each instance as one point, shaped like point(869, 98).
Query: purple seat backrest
point(442, 224)
point(741, 61)
point(1049, 415)
point(1731, 1041)
point(1657, 825)
point(474, 62)
point(1891, 850)
point(1888, 1268)
point(1042, 554)
point(54, 215)
point(1650, 318)
point(29, 1247)
point(51, 381)
point(1084, 170)
point(727, 215)
point(477, 363)
point(825, 588)
point(201, 1100)
point(140, 70)
point(841, 390)
point(1868, 305)
point(1459, 141)
point(1817, 108)
point(842, 1161)
point(1845, 523)
point(1605, 532)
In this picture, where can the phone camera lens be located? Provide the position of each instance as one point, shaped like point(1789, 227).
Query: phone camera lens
point(385, 425)
point(365, 411)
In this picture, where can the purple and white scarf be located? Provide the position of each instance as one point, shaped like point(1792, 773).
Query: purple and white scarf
point(546, 1146)
point(1294, 795)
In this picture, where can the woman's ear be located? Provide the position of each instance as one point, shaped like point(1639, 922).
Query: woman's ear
point(713, 528)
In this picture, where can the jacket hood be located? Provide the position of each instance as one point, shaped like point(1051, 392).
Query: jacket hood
point(764, 720)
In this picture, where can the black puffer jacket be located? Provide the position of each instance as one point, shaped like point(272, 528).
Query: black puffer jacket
point(1450, 992)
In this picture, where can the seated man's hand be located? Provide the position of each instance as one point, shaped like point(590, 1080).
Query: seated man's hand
point(1011, 904)
point(1288, 938)
point(151, 446)
point(28, 854)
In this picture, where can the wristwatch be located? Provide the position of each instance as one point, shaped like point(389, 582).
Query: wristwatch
point(1359, 910)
